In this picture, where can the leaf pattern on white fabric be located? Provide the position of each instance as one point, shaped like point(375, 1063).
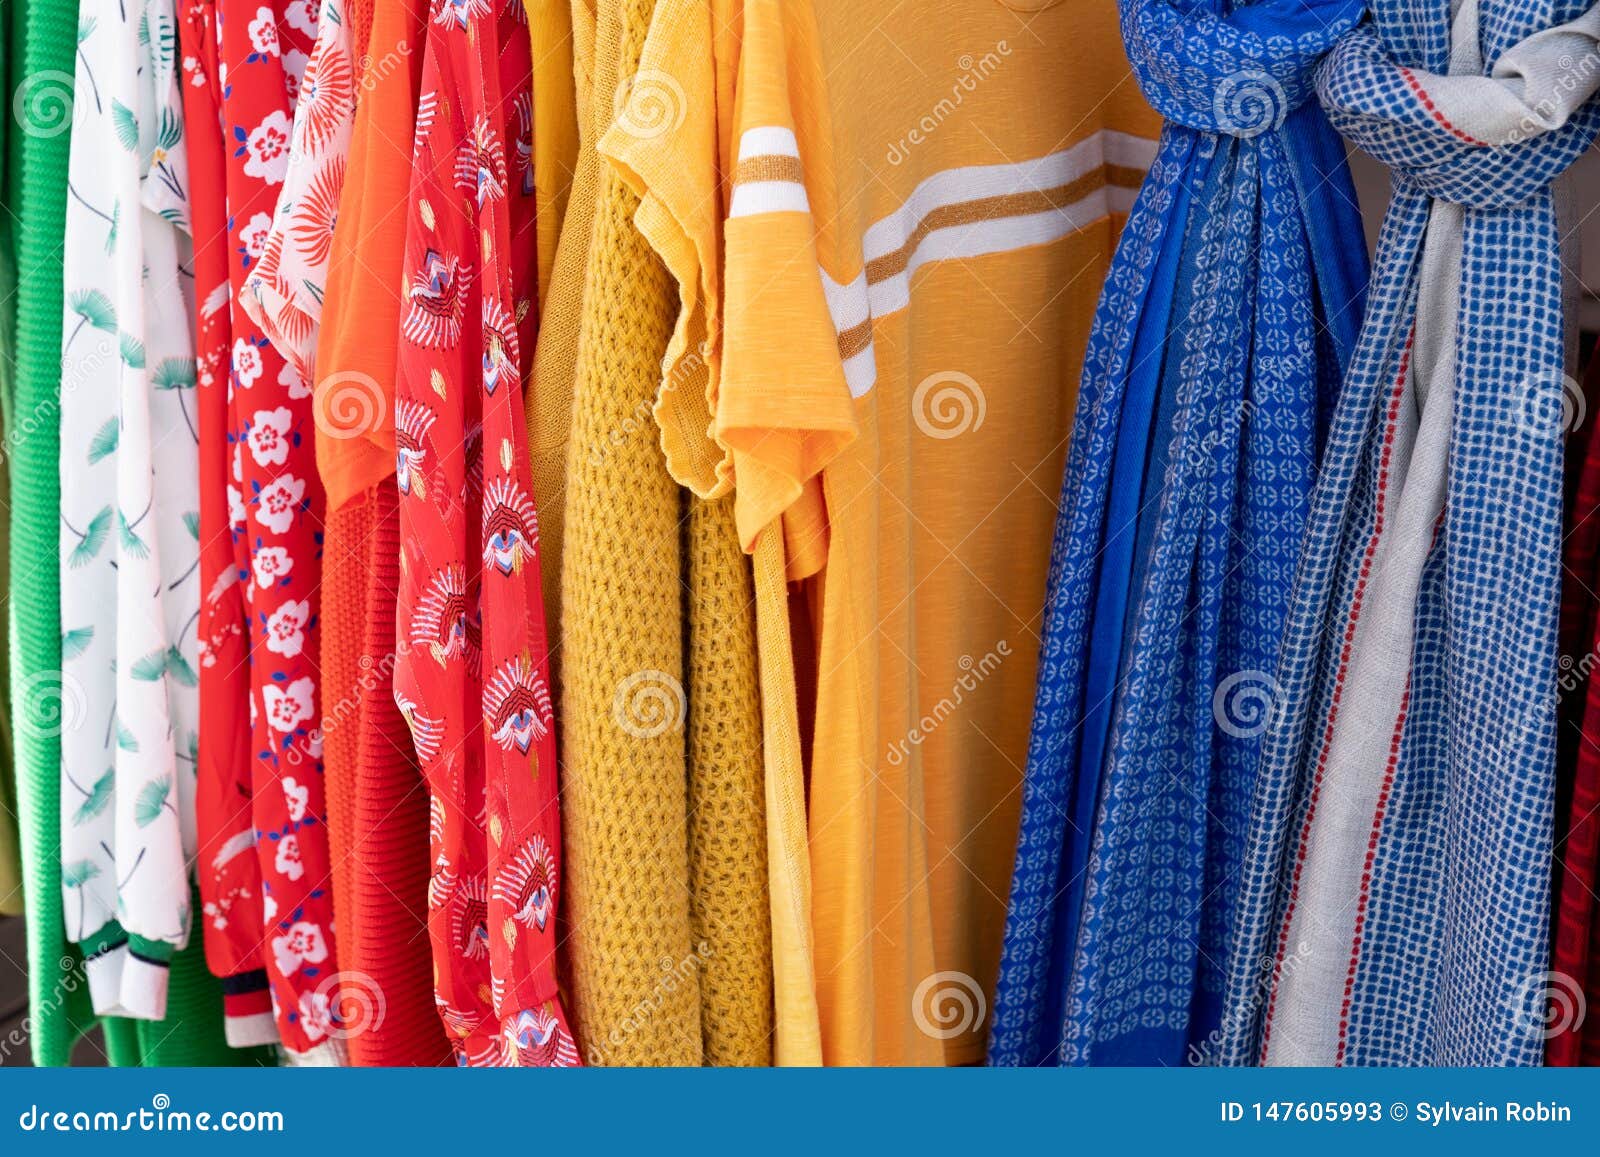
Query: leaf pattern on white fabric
point(129, 473)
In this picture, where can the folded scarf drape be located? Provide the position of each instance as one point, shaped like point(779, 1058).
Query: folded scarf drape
point(1395, 898)
point(1228, 312)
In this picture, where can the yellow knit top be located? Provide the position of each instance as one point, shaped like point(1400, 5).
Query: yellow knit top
point(662, 769)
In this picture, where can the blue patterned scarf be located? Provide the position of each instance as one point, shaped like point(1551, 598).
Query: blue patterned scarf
point(1227, 317)
point(1394, 901)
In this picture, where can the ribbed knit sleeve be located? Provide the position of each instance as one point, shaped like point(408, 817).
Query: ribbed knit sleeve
point(60, 1010)
point(11, 891)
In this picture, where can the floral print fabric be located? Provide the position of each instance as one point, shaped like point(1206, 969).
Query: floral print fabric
point(264, 859)
point(470, 601)
point(284, 290)
point(129, 526)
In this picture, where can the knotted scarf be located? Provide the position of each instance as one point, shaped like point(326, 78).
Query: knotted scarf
point(1229, 311)
point(1395, 895)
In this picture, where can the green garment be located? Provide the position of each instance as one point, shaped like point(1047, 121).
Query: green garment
point(10, 851)
point(38, 62)
point(42, 42)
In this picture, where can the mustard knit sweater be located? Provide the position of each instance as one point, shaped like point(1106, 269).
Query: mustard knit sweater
point(624, 790)
point(661, 790)
point(555, 359)
point(729, 912)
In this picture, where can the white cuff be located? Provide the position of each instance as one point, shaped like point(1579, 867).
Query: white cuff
point(104, 971)
point(144, 987)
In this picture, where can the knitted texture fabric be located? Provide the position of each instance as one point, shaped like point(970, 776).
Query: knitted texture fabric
point(58, 996)
point(555, 127)
point(387, 926)
point(595, 46)
point(676, 173)
point(346, 548)
point(191, 1033)
point(730, 921)
point(11, 890)
point(623, 779)
point(359, 13)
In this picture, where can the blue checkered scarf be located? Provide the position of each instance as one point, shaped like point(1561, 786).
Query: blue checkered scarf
point(1226, 319)
point(1393, 907)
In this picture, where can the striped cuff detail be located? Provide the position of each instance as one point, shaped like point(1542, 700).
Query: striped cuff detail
point(105, 955)
point(768, 177)
point(144, 979)
point(247, 1010)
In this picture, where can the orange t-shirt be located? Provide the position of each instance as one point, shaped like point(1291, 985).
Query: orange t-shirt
point(890, 233)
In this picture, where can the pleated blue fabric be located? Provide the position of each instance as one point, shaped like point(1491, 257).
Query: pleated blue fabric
point(1227, 319)
point(1394, 898)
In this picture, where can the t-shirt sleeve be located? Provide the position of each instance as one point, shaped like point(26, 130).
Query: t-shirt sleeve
point(754, 392)
point(663, 142)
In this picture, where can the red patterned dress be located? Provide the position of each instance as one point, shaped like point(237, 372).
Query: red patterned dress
point(263, 865)
point(472, 677)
